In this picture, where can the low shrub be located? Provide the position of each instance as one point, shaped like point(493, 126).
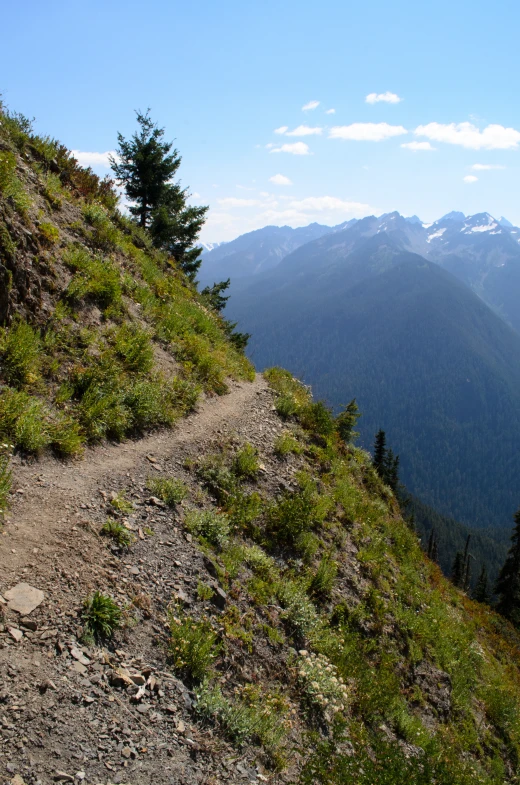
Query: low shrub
point(49, 233)
point(245, 463)
point(290, 517)
point(122, 536)
point(317, 418)
point(193, 646)
point(322, 581)
point(101, 616)
point(286, 444)
point(5, 482)
point(298, 611)
point(33, 426)
point(210, 525)
point(133, 346)
point(322, 686)
point(11, 187)
point(168, 489)
point(122, 504)
point(95, 279)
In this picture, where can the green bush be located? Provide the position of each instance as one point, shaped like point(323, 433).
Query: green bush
point(220, 481)
point(286, 444)
point(106, 235)
point(286, 406)
point(122, 504)
point(245, 463)
point(317, 418)
point(169, 489)
point(193, 646)
point(101, 616)
point(11, 186)
point(299, 612)
point(21, 353)
point(95, 279)
point(122, 536)
point(32, 426)
point(322, 686)
point(321, 583)
point(212, 526)
point(49, 233)
point(290, 517)
point(133, 346)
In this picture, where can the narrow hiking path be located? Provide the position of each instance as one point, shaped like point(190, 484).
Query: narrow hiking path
point(48, 493)
point(66, 713)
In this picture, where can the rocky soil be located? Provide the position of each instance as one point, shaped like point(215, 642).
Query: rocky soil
point(116, 714)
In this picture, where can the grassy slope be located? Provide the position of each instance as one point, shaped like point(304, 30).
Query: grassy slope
point(105, 339)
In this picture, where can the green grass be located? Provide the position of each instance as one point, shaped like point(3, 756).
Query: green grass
point(122, 504)
point(21, 354)
point(122, 536)
point(11, 187)
point(33, 426)
point(168, 489)
point(101, 616)
point(5, 482)
point(286, 444)
point(212, 526)
point(49, 233)
point(322, 581)
point(245, 463)
point(193, 646)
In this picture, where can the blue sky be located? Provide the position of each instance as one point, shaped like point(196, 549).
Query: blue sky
point(221, 77)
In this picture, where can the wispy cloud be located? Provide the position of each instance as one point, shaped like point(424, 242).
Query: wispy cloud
point(418, 146)
point(388, 98)
point(485, 167)
point(470, 178)
point(311, 105)
point(282, 130)
point(493, 137)
point(280, 179)
point(366, 132)
point(330, 111)
point(324, 203)
point(94, 159)
point(305, 130)
point(296, 148)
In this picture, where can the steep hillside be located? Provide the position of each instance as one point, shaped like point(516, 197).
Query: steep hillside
point(105, 337)
point(425, 358)
point(226, 596)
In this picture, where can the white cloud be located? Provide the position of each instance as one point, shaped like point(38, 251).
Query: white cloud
point(330, 111)
point(388, 98)
point(366, 132)
point(418, 146)
point(485, 167)
point(493, 137)
point(311, 105)
point(271, 144)
point(282, 129)
point(94, 159)
point(470, 178)
point(232, 201)
point(305, 130)
point(280, 179)
point(195, 195)
point(296, 148)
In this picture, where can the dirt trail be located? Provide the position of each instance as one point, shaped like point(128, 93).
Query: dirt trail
point(47, 491)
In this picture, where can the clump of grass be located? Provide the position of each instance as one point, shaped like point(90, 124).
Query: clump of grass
point(168, 489)
point(96, 280)
point(101, 616)
point(317, 418)
point(322, 581)
point(21, 353)
point(299, 612)
point(49, 233)
point(106, 235)
point(193, 646)
point(33, 426)
point(133, 346)
point(11, 187)
point(220, 481)
point(5, 481)
point(244, 509)
point(256, 716)
point(210, 525)
point(122, 504)
point(204, 592)
point(245, 463)
point(286, 444)
point(286, 406)
point(122, 536)
point(291, 517)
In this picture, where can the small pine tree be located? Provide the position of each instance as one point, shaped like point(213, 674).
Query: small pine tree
point(481, 593)
point(346, 422)
point(391, 470)
point(431, 544)
point(379, 458)
point(457, 570)
point(466, 565)
point(213, 295)
point(508, 583)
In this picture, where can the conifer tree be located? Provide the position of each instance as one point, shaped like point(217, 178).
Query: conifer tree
point(145, 166)
point(213, 295)
point(508, 583)
point(457, 571)
point(466, 565)
point(481, 593)
point(346, 422)
point(379, 458)
point(432, 545)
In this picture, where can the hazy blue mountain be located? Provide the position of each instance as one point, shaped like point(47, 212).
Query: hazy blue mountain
point(355, 315)
point(255, 252)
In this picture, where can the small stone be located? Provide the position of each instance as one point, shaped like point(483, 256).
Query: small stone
point(143, 708)
point(189, 538)
point(29, 624)
point(62, 776)
point(79, 668)
point(24, 598)
point(134, 570)
point(171, 709)
point(120, 678)
point(17, 780)
point(79, 656)
point(47, 685)
point(80, 775)
point(180, 727)
point(138, 679)
point(219, 598)
point(48, 634)
point(14, 633)
point(126, 752)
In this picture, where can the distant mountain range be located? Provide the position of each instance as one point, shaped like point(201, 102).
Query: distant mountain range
point(368, 311)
